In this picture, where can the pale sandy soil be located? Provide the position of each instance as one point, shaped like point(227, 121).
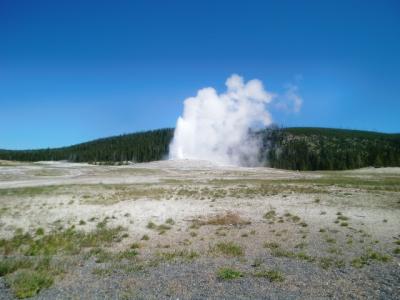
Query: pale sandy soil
point(54, 195)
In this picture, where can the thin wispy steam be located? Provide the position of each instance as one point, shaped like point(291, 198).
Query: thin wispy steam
point(216, 126)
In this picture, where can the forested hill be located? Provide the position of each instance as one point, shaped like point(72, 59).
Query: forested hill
point(136, 147)
point(329, 149)
point(287, 148)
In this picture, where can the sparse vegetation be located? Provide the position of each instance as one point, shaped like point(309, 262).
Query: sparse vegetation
point(228, 249)
point(228, 218)
point(228, 273)
point(271, 275)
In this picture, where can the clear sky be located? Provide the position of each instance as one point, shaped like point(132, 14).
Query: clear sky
point(71, 71)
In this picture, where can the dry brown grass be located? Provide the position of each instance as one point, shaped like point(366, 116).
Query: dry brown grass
point(228, 218)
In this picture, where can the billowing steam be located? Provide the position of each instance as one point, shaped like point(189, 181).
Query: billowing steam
point(216, 127)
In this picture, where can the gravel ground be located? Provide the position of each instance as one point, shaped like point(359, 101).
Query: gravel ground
point(322, 222)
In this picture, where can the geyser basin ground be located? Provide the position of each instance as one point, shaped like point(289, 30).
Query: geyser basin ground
point(190, 229)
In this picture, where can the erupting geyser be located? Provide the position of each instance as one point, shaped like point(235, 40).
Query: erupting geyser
point(216, 127)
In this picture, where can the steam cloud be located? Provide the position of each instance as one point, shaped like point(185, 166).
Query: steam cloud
point(215, 127)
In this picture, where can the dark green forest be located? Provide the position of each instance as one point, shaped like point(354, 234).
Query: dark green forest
point(285, 148)
point(329, 149)
point(136, 147)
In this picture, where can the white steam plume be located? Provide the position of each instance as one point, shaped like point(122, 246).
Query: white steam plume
point(215, 127)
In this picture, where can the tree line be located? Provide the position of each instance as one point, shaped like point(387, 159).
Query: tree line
point(285, 148)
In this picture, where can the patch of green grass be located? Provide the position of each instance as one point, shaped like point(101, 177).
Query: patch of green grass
point(271, 245)
point(69, 241)
point(270, 214)
point(135, 245)
point(365, 259)
point(305, 256)
point(178, 254)
point(378, 256)
point(127, 254)
point(328, 262)
point(102, 272)
point(163, 227)
point(100, 255)
point(229, 249)
point(39, 231)
point(396, 251)
point(228, 274)
point(82, 222)
point(9, 265)
point(151, 225)
point(301, 245)
point(32, 191)
point(271, 275)
point(295, 219)
point(279, 252)
point(359, 262)
point(330, 240)
point(27, 283)
point(344, 224)
point(160, 228)
point(334, 250)
point(170, 221)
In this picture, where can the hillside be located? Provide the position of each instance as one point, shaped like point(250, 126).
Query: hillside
point(137, 147)
point(287, 148)
point(330, 149)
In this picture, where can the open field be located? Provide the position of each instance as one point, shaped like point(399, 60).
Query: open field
point(191, 229)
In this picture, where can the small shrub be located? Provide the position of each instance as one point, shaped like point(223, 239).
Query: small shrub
point(145, 237)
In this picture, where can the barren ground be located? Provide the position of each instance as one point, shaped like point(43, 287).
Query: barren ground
point(194, 230)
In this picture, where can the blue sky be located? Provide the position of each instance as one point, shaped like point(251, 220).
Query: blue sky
point(71, 71)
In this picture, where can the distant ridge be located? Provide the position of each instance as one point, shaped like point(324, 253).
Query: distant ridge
point(297, 148)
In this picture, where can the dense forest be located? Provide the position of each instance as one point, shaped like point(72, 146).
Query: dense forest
point(286, 148)
point(329, 149)
point(135, 147)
